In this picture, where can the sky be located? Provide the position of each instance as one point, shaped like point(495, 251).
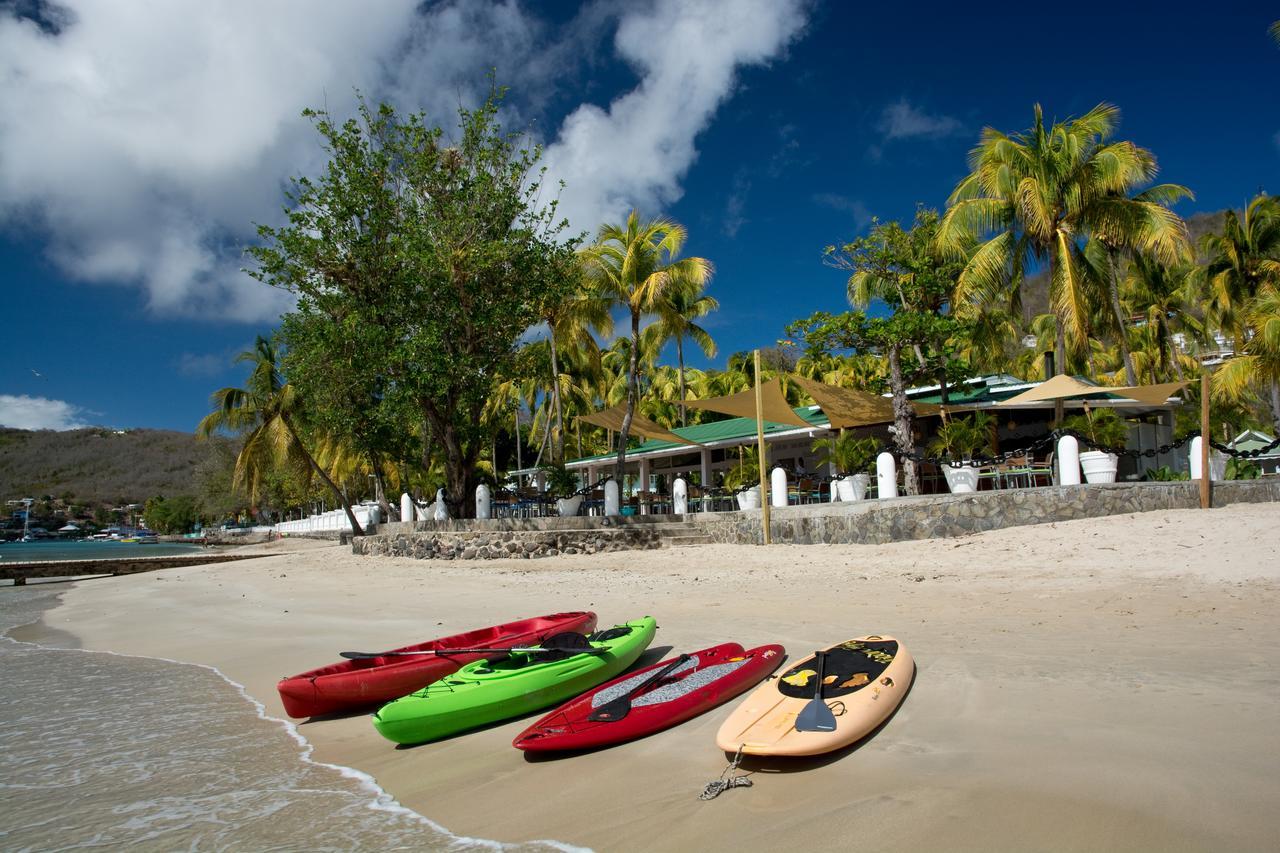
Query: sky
point(141, 144)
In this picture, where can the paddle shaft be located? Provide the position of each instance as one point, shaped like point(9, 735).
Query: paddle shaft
point(816, 716)
point(616, 709)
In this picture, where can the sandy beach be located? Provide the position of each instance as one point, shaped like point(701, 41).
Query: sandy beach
point(1100, 684)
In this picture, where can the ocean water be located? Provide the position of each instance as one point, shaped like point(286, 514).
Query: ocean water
point(53, 549)
point(99, 750)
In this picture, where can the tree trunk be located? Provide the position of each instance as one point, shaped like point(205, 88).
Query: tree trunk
point(558, 454)
point(1113, 289)
point(903, 417)
point(633, 395)
point(1171, 347)
point(389, 512)
point(680, 358)
point(519, 455)
point(346, 504)
point(459, 462)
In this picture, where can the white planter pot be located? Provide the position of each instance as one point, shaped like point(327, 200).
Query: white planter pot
point(1098, 466)
point(750, 499)
point(568, 506)
point(961, 478)
point(853, 487)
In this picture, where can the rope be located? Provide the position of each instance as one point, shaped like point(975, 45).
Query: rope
point(725, 782)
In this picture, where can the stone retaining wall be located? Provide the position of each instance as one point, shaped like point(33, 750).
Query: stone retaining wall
point(517, 544)
point(875, 522)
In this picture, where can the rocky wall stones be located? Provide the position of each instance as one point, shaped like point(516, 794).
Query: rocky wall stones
point(505, 544)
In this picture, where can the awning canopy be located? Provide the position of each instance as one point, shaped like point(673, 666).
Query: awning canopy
point(774, 405)
point(611, 418)
point(1062, 387)
point(849, 407)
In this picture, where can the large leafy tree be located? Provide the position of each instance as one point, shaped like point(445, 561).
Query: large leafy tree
point(637, 265)
point(267, 413)
point(437, 253)
point(1032, 197)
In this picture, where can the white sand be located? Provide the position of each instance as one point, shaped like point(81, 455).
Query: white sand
point(1102, 684)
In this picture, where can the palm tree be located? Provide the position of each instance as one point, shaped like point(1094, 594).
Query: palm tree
point(1162, 292)
point(1240, 261)
point(1258, 364)
point(1032, 196)
point(677, 314)
point(265, 412)
point(569, 324)
point(636, 266)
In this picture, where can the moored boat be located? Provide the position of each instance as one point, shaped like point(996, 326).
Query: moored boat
point(488, 691)
point(353, 684)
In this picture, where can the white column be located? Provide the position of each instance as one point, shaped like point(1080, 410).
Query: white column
point(406, 507)
point(680, 496)
point(442, 509)
point(1068, 461)
point(483, 505)
point(611, 502)
point(706, 467)
point(644, 484)
point(1196, 471)
point(777, 487)
point(886, 475)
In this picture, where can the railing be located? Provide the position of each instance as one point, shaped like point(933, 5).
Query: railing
point(332, 520)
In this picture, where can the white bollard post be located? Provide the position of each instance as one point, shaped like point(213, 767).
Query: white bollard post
point(406, 507)
point(886, 475)
point(777, 487)
point(1196, 470)
point(482, 501)
point(612, 501)
point(442, 509)
point(1068, 461)
point(834, 486)
point(680, 496)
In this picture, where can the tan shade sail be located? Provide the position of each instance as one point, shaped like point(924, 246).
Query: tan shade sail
point(775, 407)
point(611, 418)
point(1152, 395)
point(849, 407)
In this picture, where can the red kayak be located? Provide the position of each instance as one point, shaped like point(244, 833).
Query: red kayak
point(651, 699)
point(354, 684)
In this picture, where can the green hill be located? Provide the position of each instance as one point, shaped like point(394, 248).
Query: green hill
point(99, 466)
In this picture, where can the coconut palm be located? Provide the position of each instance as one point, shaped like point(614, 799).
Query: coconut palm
point(636, 266)
point(677, 313)
point(1162, 293)
point(265, 412)
point(1240, 261)
point(570, 322)
point(1032, 196)
point(1256, 369)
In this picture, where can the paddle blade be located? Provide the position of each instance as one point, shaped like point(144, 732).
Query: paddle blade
point(816, 717)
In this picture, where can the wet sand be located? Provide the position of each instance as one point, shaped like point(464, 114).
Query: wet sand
point(1108, 683)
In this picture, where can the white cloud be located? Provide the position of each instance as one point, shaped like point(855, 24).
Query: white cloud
point(903, 121)
point(857, 210)
point(23, 412)
point(143, 141)
point(636, 152)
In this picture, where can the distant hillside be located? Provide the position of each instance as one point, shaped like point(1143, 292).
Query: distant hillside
point(98, 466)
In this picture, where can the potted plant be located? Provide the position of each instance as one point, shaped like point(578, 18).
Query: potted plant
point(852, 458)
point(958, 439)
point(746, 471)
point(562, 485)
point(1104, 428)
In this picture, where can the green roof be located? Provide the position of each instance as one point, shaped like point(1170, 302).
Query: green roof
point(1253, 440)
point(717, 431)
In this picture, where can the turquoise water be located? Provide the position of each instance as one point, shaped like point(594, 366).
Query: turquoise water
point(21, 552)
point(105, 751)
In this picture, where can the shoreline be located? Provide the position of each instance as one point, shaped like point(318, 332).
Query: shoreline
point(1023, 668)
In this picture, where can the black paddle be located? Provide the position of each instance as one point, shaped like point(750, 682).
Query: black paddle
point(569, 641)
point(616, 709)
point(816, 716)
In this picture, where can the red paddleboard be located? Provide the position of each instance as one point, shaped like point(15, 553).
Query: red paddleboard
point(354, 684)
point(709, 678)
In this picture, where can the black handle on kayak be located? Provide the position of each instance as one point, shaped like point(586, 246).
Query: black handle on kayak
point(616, 709)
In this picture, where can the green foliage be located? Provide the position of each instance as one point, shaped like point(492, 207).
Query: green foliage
point(1242, 469)
point(418, 262)
point(561, 483)
point(850, 454)
point(1165, 474)
point(1104, 427)
point(746, 472)
point(961, 437)
point(174, 515)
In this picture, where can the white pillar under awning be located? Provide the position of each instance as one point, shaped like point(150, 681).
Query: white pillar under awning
point(706, 467)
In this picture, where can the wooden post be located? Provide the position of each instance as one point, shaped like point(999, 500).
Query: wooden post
point(1204, 439)
point(764, 501)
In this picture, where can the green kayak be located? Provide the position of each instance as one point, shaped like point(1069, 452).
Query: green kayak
point(488, 691)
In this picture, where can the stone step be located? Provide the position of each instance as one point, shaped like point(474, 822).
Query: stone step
point(690, 539)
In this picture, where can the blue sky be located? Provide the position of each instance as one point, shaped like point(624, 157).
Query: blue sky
point(138, 147)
